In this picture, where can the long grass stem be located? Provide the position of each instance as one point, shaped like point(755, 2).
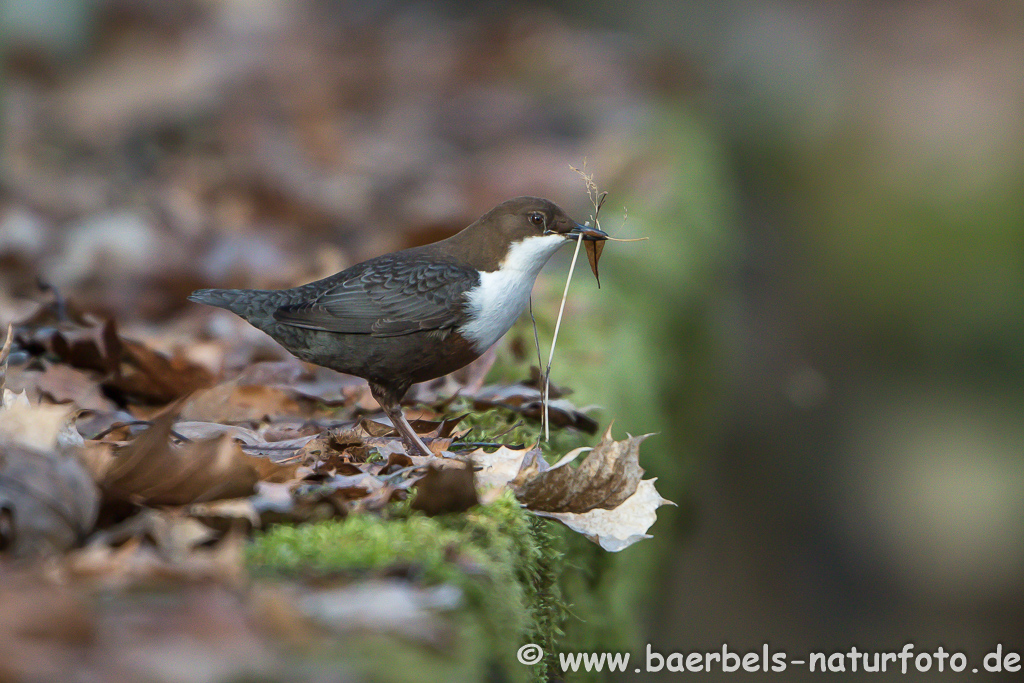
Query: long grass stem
point(554, 338)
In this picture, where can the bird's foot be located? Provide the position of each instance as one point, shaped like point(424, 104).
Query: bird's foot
point(415, 444)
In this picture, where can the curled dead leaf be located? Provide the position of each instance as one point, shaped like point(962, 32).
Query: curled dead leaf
point(90, 347)
point(136, 562)
point(130, 369)
point(607, 476)
point(64, 384)
point(48, 502)
point(445, 490)
point(152, 471)
point(232, 401)
point(42, 427)
point(502, 466)
point(604, 498)
point(154, 377)
point(594, 249)
point(223, 515)
point(617, 529)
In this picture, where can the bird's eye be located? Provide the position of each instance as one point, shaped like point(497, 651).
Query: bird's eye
point(536, 218)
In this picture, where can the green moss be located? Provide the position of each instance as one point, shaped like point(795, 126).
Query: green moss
point(505, 561)
point(504, 426)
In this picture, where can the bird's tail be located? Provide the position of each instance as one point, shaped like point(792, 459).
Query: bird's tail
point(255, 305)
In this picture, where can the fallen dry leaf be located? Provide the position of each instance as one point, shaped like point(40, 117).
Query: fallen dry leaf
point(617, 529)
point(607, 477)
point(41, 427)
point(499, 468)
point(197, 431)
point(138, 562)
point(594, 250)
point(152, 471)
point(152, 377)
point(445, 490)
point(23, 380)
point(223, 515)
point(383, 438)
point(306, 381)
point(129, 369)
point(172, 531)
point(109, 426)
point(48, 501)
point(604, 498)
point(42, 628)
point(64, 384)
point(90, 347)
point(278, 503)
point(235, 402)
point(495, 472)
point(377, 428)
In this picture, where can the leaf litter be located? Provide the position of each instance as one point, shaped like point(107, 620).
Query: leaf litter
point(137, 488)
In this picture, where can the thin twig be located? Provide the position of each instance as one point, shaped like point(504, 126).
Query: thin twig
point(59, 300)
point(554, 338)
point(137, 423)
point(597, 199)
point(536, 337)
point(540, 360)
point(6, 352)
point(515, 424)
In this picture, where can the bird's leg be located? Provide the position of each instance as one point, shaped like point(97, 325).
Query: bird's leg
point(389, 402)
point(412, 440)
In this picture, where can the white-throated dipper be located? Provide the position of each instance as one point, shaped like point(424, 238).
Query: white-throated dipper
point(416, 314)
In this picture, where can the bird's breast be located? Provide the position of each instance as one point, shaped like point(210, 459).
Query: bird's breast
point(502, 295)
point(494, 305)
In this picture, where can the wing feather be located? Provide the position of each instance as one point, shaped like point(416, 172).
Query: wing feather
point(384, 297)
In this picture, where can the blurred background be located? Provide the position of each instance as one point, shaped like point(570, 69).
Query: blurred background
point(826, 326)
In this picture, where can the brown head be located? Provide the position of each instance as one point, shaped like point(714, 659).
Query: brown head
point(486, 242)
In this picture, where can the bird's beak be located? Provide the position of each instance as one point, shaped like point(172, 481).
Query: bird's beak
point(588, 233)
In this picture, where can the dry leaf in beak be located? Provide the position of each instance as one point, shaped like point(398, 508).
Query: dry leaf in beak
point(594, 249)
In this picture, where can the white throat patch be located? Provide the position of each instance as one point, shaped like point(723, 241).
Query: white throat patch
point(504, 293)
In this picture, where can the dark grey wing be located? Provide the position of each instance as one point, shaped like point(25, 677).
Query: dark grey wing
point(385, 298)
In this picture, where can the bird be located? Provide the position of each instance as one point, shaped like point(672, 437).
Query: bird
point(416, 314)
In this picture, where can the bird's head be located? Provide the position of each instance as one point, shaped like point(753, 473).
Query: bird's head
point(527, 217)
point(520, 234)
